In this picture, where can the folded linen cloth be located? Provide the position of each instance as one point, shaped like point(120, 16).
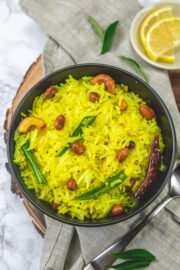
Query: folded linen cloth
point(72, 40)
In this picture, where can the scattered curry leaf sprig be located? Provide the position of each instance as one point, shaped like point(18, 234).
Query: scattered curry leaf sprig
point(96, 27)
point(136, 258)
point(134, 254)
point(103, 188)
point(86, 122)
point(107, 37)
point(29, 154)
point(127, 265)
point(136, 67)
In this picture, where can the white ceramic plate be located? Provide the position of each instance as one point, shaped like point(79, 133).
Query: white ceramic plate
point(134, 33)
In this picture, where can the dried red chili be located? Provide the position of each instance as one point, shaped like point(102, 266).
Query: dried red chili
point(154, 164)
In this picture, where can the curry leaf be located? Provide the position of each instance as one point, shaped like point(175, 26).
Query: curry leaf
point(108, 37)
point(68, 145)
point(86, 122)
point(133, 264)
point(96, 27)
point(136, 254)
point(136, 67)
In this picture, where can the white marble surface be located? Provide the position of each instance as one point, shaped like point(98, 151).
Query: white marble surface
point(21, 42)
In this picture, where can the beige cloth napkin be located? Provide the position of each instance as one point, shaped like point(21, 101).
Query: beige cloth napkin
point(72, 40)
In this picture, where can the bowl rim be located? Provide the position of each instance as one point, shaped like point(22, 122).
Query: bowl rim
point(139, 17)
point(168, 174)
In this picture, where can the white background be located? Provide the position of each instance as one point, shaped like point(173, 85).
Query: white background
point(21, 42)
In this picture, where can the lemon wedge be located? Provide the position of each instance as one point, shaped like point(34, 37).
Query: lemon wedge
point(151, 19)
point(163, 37)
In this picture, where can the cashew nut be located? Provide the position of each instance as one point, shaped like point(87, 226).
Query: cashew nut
point(27, 123)
point(107, 80)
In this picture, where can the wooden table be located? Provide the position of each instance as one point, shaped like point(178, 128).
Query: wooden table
point(33, 75)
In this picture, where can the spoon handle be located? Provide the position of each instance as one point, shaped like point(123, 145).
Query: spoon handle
point(157, 209)
point(105, 257)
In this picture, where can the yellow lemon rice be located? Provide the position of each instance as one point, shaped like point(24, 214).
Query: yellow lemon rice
point(112, 130)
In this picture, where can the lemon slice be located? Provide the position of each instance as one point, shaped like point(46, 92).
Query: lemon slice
point(151, 19)
point(168, 57)
point(162, 37)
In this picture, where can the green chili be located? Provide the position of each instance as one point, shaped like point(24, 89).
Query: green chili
point(103, 188)
point(29, 154)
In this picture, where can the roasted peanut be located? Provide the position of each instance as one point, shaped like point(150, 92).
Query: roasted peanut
point(131, 145)
point(122, 154)
point(59, 122)
point(117, 209)
point(146, 111)
point(107, 80)
point(136, 162)
point(50, 92)
point(132, 182)
point(78, 148)
point(94, 97)
point(27, 123)
point(55, 206)
point(123, 106)
point(71, 185)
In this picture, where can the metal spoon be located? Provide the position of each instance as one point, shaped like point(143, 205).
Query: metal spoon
point(105, 257)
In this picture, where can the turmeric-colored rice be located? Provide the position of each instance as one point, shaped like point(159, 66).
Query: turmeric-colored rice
point(112, 130)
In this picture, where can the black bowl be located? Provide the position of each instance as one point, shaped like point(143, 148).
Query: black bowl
point(136, 85)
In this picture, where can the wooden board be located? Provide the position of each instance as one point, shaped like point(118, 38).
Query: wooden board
point(33, 75)
point(175, 82)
